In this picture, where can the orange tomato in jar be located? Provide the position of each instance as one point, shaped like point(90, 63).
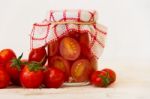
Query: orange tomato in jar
point(69, 48)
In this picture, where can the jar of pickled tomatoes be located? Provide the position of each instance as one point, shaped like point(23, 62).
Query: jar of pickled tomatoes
point(74, 43)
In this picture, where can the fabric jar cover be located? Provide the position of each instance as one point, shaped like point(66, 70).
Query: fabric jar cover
point(51, 29)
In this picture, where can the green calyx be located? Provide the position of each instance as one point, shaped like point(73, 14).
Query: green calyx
point(35, 66)
point(106, 80)
point(16, 62)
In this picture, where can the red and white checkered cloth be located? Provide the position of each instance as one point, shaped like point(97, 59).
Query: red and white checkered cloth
point(44, 32)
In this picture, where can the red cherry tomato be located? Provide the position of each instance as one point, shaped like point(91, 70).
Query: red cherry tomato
point(53, 78)
point(13, 68)
point(100, 79)
point(84, 39)
point(4, 78)
point(111, 73)
point(13, 72)
point(31, 76)
point(6, 55)
point(53, 48)
point(61, 64)
point(38, 55)
point(85, 45)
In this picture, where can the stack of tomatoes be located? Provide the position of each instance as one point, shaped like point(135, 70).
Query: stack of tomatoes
point(29, 73)
point(69, 60)
point(72, 55)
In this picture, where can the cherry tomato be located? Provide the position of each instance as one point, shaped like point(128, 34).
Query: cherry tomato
point(38, 55)
point(13, 68)
point(100, 79)
point(69, 48)
point(111, 73)
point(53, 48)
point(13, 72)
point(84, 39)
point(80, 70)
point(4, 78)
point(31, 76)
point(61, 64)
point(6, 55)
point(53, 78)
point(85, 45)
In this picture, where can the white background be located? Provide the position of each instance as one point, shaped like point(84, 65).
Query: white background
point(128, 21)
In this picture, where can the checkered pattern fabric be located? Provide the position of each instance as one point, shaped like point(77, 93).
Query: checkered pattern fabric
point(42, 33)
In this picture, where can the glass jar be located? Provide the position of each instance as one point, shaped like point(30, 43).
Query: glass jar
point(71, 53)
point(74, 41)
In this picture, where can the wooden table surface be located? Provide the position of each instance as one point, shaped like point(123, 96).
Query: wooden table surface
point(132, 83)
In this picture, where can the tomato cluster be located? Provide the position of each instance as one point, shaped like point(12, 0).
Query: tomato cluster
point(72, 55)
point(103, 78)
point(69, 60)
point(29, 73)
